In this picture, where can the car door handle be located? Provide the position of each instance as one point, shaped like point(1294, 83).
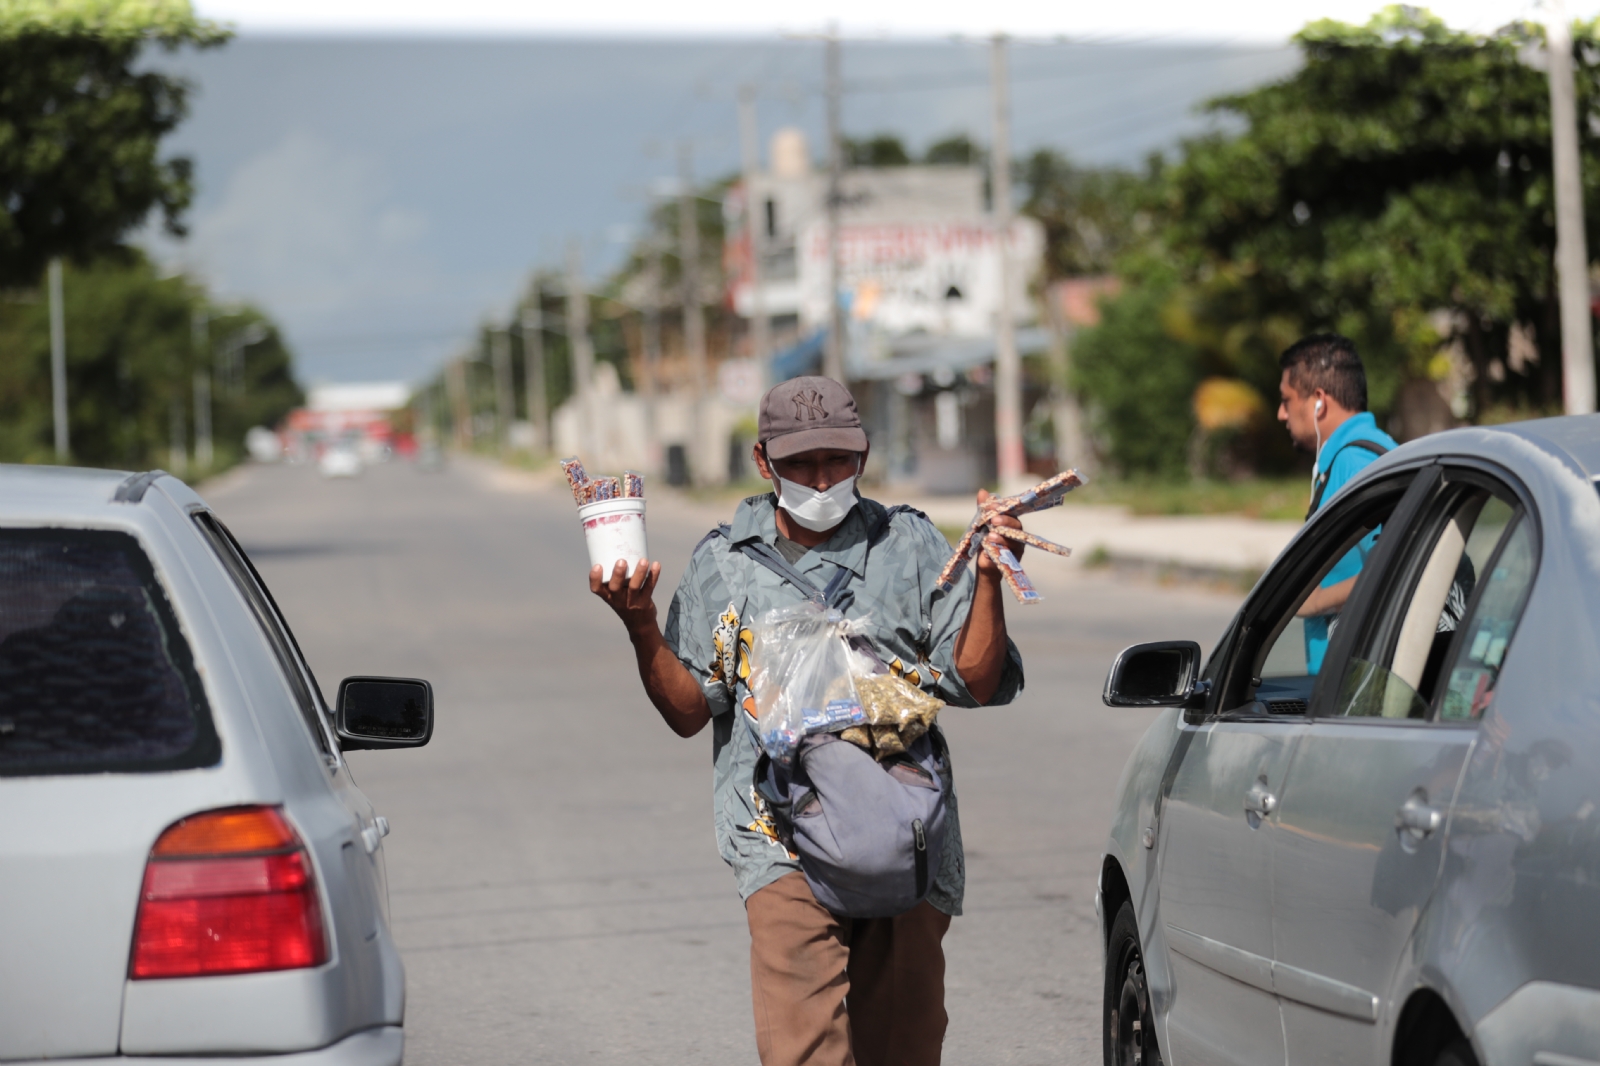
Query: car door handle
point(374, 833)
point(1416, 817)
point(1259, 801)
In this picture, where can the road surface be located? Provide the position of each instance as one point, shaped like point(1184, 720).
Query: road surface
point(555, 887)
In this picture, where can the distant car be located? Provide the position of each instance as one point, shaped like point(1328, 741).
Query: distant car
point(187, 869)
point(1394, 858)
point(340, 461)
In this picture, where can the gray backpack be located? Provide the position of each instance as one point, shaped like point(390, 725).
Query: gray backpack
point(870, 835)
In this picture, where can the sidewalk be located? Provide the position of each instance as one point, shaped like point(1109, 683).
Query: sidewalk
point(1228, 549)
point(1205, 549)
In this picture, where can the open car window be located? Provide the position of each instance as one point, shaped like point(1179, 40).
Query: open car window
point(95, 674)
point(1288, 625)
point(1480, 645)
point(1465, 566)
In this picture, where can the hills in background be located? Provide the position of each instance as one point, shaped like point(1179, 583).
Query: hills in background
point(382, 196)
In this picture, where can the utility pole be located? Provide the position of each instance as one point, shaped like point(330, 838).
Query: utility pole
point(833, 352)
point(177, 436)
point(505, 403)
point(652, 355)
point(755, 232)
point(1572, 253)
point(1007, 364)
point(201, 337)
point(455, 381)
point(58, 362)
point(533, 367)
point(694, 324)
point(582, 349)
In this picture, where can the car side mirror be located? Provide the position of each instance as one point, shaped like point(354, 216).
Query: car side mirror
point(1163, 674)
point(384, 712)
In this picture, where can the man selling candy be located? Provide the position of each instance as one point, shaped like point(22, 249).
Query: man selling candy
point(828, 990)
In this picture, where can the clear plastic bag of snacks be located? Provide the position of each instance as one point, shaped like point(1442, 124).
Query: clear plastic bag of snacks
point(800, 676)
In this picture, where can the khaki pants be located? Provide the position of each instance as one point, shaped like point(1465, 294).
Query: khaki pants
point(832, 991)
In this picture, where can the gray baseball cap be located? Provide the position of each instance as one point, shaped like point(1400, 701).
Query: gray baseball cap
point(801, 414)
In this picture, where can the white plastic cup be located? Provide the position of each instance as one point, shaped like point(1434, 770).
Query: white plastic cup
point(614, 529)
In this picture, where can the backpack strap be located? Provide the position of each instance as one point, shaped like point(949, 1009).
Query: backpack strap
point(1321, 484)
point(830, 596)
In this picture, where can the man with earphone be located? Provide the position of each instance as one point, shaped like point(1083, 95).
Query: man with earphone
point(1324, 406)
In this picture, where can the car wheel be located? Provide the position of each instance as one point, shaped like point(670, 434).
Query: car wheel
point(1456, 1053)
point(1130, 1035)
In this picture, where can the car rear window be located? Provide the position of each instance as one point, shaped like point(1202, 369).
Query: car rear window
point(95, 675)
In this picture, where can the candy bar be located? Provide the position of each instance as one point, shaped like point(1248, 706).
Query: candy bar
point(1048, 493)
point(632, 484)
point(577, 477)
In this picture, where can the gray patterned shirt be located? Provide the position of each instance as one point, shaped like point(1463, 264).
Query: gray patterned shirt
point(913, 627)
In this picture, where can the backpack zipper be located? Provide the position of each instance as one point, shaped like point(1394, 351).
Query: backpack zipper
point(921, 858)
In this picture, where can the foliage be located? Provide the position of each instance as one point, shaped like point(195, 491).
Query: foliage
point(1396, 189)
point(1090, 216)
point(81, 119)
point(879, 150)
point(131, 356)
point(1138, 372)
point(955, 150)
point(1403, 170)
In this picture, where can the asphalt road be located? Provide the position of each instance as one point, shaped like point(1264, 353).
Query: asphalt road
point(554, 883)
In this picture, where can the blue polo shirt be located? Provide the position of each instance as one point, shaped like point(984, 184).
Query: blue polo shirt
point(1346, 464)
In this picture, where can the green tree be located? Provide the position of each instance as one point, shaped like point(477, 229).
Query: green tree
point(955, 150)
point(131, 356)
point(1139, 370)
point(1090, 216)
point(81, 120)
point(1403, 170)
point(879, 150)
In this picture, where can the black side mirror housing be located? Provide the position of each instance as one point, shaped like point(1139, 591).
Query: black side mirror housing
point(1163, 674)
point(384, 712)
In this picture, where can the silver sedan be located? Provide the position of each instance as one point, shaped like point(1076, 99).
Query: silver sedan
point(1374, 836)
point(188, 872)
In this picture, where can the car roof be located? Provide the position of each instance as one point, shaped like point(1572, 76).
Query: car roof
point(73, 491)
point(1577, 435)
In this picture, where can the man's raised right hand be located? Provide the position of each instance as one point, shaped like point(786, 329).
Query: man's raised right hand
point(632, 598)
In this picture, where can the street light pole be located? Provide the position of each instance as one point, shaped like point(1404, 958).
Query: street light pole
point(755, 232)
point(833, 351)
point(1009, 457)
point(533, 367)
point(1572, 253)
point(201, 336)
point(504, 402)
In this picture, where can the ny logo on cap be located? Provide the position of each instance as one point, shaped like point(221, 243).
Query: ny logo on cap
point(808, 406)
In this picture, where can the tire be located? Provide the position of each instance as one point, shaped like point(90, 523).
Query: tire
point(1129, 1022)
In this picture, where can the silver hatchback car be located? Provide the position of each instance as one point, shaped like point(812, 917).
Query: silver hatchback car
point(187, 869)
point(1374, 837)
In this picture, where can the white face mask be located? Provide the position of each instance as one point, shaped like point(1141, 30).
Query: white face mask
point(816, 511)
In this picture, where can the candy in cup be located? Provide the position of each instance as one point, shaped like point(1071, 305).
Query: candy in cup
point(612, 512)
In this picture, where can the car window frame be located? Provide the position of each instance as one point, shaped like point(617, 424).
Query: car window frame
point(296, 671)
point(1281, 588)
point(1528, 514)
point(1453, 472)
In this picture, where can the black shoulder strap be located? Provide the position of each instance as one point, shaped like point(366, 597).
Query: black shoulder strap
point(1322, 479)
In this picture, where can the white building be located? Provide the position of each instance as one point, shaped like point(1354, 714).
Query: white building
point(919, 277)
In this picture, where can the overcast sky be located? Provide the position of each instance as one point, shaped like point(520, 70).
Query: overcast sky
point(1261, 21)
point(381, 181)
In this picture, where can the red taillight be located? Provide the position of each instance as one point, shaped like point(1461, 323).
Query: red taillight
point(227, 892)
